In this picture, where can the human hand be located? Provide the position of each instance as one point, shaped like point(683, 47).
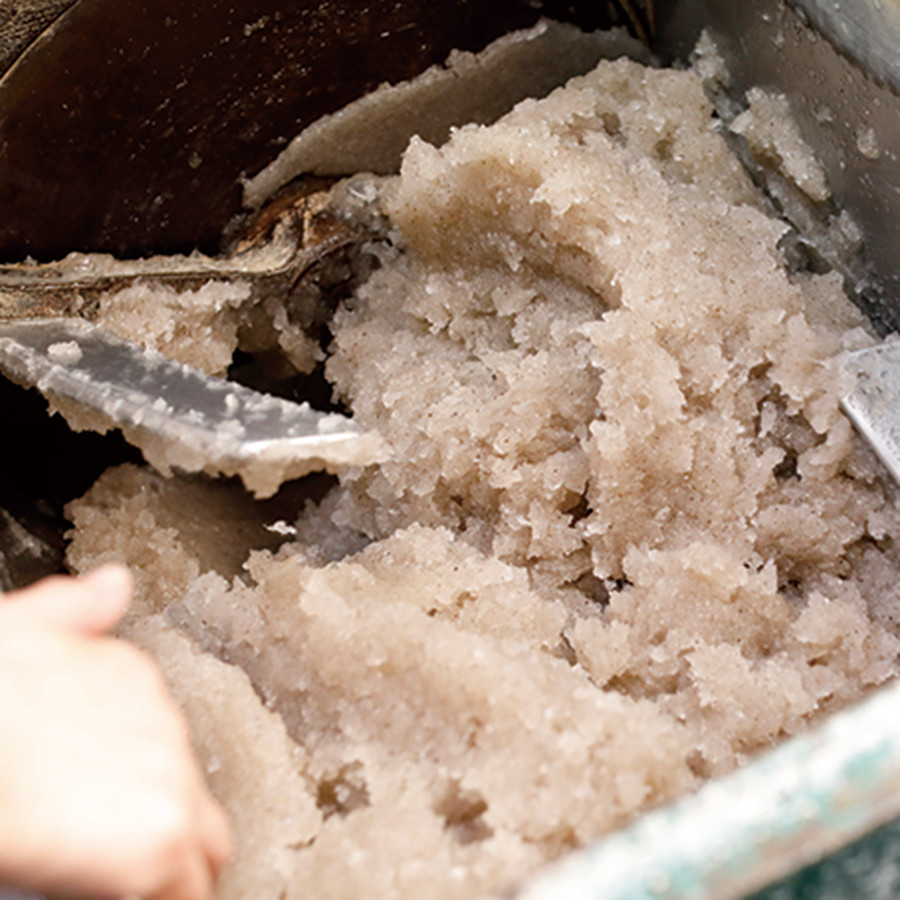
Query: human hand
point(99, 791)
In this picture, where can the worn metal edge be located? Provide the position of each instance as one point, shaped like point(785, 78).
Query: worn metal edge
point(787, 809)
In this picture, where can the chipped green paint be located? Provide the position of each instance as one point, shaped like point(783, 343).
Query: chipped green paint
point(783, 811)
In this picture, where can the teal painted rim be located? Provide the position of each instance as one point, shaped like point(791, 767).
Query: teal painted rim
point(787, 809)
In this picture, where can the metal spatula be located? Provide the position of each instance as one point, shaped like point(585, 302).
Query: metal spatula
point(178, 416)
point(874, 402)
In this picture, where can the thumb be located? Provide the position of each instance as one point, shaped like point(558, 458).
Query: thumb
point(89, 605)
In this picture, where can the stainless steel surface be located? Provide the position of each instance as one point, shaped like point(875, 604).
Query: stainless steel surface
point(865, 30)
point(874, 402)
point(850, 120)
point(222, 424)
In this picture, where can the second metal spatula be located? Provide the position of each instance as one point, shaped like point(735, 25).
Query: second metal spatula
point(873, 404)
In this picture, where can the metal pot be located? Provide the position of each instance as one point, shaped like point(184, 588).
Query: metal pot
point(127, 127)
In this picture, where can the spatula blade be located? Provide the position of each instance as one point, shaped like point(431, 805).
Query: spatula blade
point(178, 416)
point(874, 402)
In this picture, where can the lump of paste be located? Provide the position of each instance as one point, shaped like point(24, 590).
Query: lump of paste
point(625, 536)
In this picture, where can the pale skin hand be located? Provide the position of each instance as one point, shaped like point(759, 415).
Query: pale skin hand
point(99, 791)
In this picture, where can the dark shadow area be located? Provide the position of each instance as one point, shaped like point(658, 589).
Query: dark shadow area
point(44, 465)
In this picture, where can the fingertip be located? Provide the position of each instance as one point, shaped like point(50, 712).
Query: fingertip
point(90, 604)
point(217, 838)
point(108, 589)
point(111, 579)
point(192, 880)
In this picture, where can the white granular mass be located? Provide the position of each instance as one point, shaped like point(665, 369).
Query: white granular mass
point(65, 353)
point(625, 538)
point(195, 327)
